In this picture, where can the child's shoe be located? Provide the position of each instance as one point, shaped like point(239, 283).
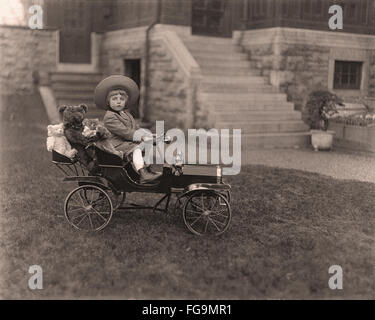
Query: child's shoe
point(149, 169)
point(146, 176)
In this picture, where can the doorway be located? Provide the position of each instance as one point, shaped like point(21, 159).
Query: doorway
point(132, 69)
point(75, 31)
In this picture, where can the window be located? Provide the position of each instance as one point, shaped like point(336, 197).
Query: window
point(348, 75)
point(318, 7)
point(133, 70)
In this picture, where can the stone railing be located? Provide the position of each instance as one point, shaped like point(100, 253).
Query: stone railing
point(186, 62)
point(180, 53)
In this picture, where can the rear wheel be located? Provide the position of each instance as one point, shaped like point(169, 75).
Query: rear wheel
point(207, 213)
point(88, 208)
point(117, 198)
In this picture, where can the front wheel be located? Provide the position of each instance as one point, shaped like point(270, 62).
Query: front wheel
point(88, 208)
point(207, 213)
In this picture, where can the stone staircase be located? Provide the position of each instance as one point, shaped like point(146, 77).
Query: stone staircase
point(76, 88)
point(237, 96)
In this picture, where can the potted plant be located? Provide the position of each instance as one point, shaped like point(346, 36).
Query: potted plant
point(320, 107)
point(355, 131)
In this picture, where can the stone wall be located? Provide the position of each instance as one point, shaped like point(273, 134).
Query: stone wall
point(299, 61)
point(297, 70)
point(168, 86)
point(23, 53)
point(304, 69)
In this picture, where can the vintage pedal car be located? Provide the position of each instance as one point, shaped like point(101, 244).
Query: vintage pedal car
point(199, 192)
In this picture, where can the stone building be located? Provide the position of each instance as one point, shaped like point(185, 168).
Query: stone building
point(246, 64)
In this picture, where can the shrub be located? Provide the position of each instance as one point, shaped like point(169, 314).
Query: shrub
point(363, 119)
point(321, 106)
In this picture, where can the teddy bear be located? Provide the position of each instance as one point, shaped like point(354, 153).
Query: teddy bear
point(72, 117)
point(73, 127)
point(58, 142)
point(94, 128)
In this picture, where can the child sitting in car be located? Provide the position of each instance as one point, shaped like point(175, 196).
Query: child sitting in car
point(116, 94)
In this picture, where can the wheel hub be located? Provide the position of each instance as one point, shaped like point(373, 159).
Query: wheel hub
point(88, 208)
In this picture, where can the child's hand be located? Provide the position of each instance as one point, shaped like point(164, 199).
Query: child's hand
point(145, 132)
point(145, 135)
point(147, 138)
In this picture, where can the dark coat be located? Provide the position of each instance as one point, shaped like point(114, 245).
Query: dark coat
point(122, 127)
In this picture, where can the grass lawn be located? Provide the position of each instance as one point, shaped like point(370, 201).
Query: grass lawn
point(288, 228)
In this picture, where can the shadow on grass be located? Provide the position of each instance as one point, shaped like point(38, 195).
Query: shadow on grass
point(288, 228)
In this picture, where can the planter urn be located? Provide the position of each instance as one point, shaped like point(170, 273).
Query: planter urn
point(322, 140)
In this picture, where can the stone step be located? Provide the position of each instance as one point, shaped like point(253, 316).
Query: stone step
point(205, 63)
point(250, 115)
point(69, 77)
point(75, 102)
point(225, 70)
point(95, 113)
point(264, 126)
point(75, 94)
point(218, 55)
point(69, 95)
point(235, 98)
point(77, 91)
point(251, 106)
point(269, 140)
point(73, 86)
point(212, 48)
point(272, 140)
point(208, 40)
point(239, 88)
point(234, 79)
point(252, 142)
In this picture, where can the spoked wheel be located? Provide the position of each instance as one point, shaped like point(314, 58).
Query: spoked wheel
point(117, 198)
point(207, 213)
point(88, 208)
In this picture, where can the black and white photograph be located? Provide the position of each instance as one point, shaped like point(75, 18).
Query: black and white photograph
point(196, 150)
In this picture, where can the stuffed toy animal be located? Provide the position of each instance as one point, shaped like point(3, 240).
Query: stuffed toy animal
point(58, 142)
point(93, 128)
point(72, 118)
point(73, 127)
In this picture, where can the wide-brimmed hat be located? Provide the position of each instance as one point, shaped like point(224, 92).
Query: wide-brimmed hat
point(115, 83)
